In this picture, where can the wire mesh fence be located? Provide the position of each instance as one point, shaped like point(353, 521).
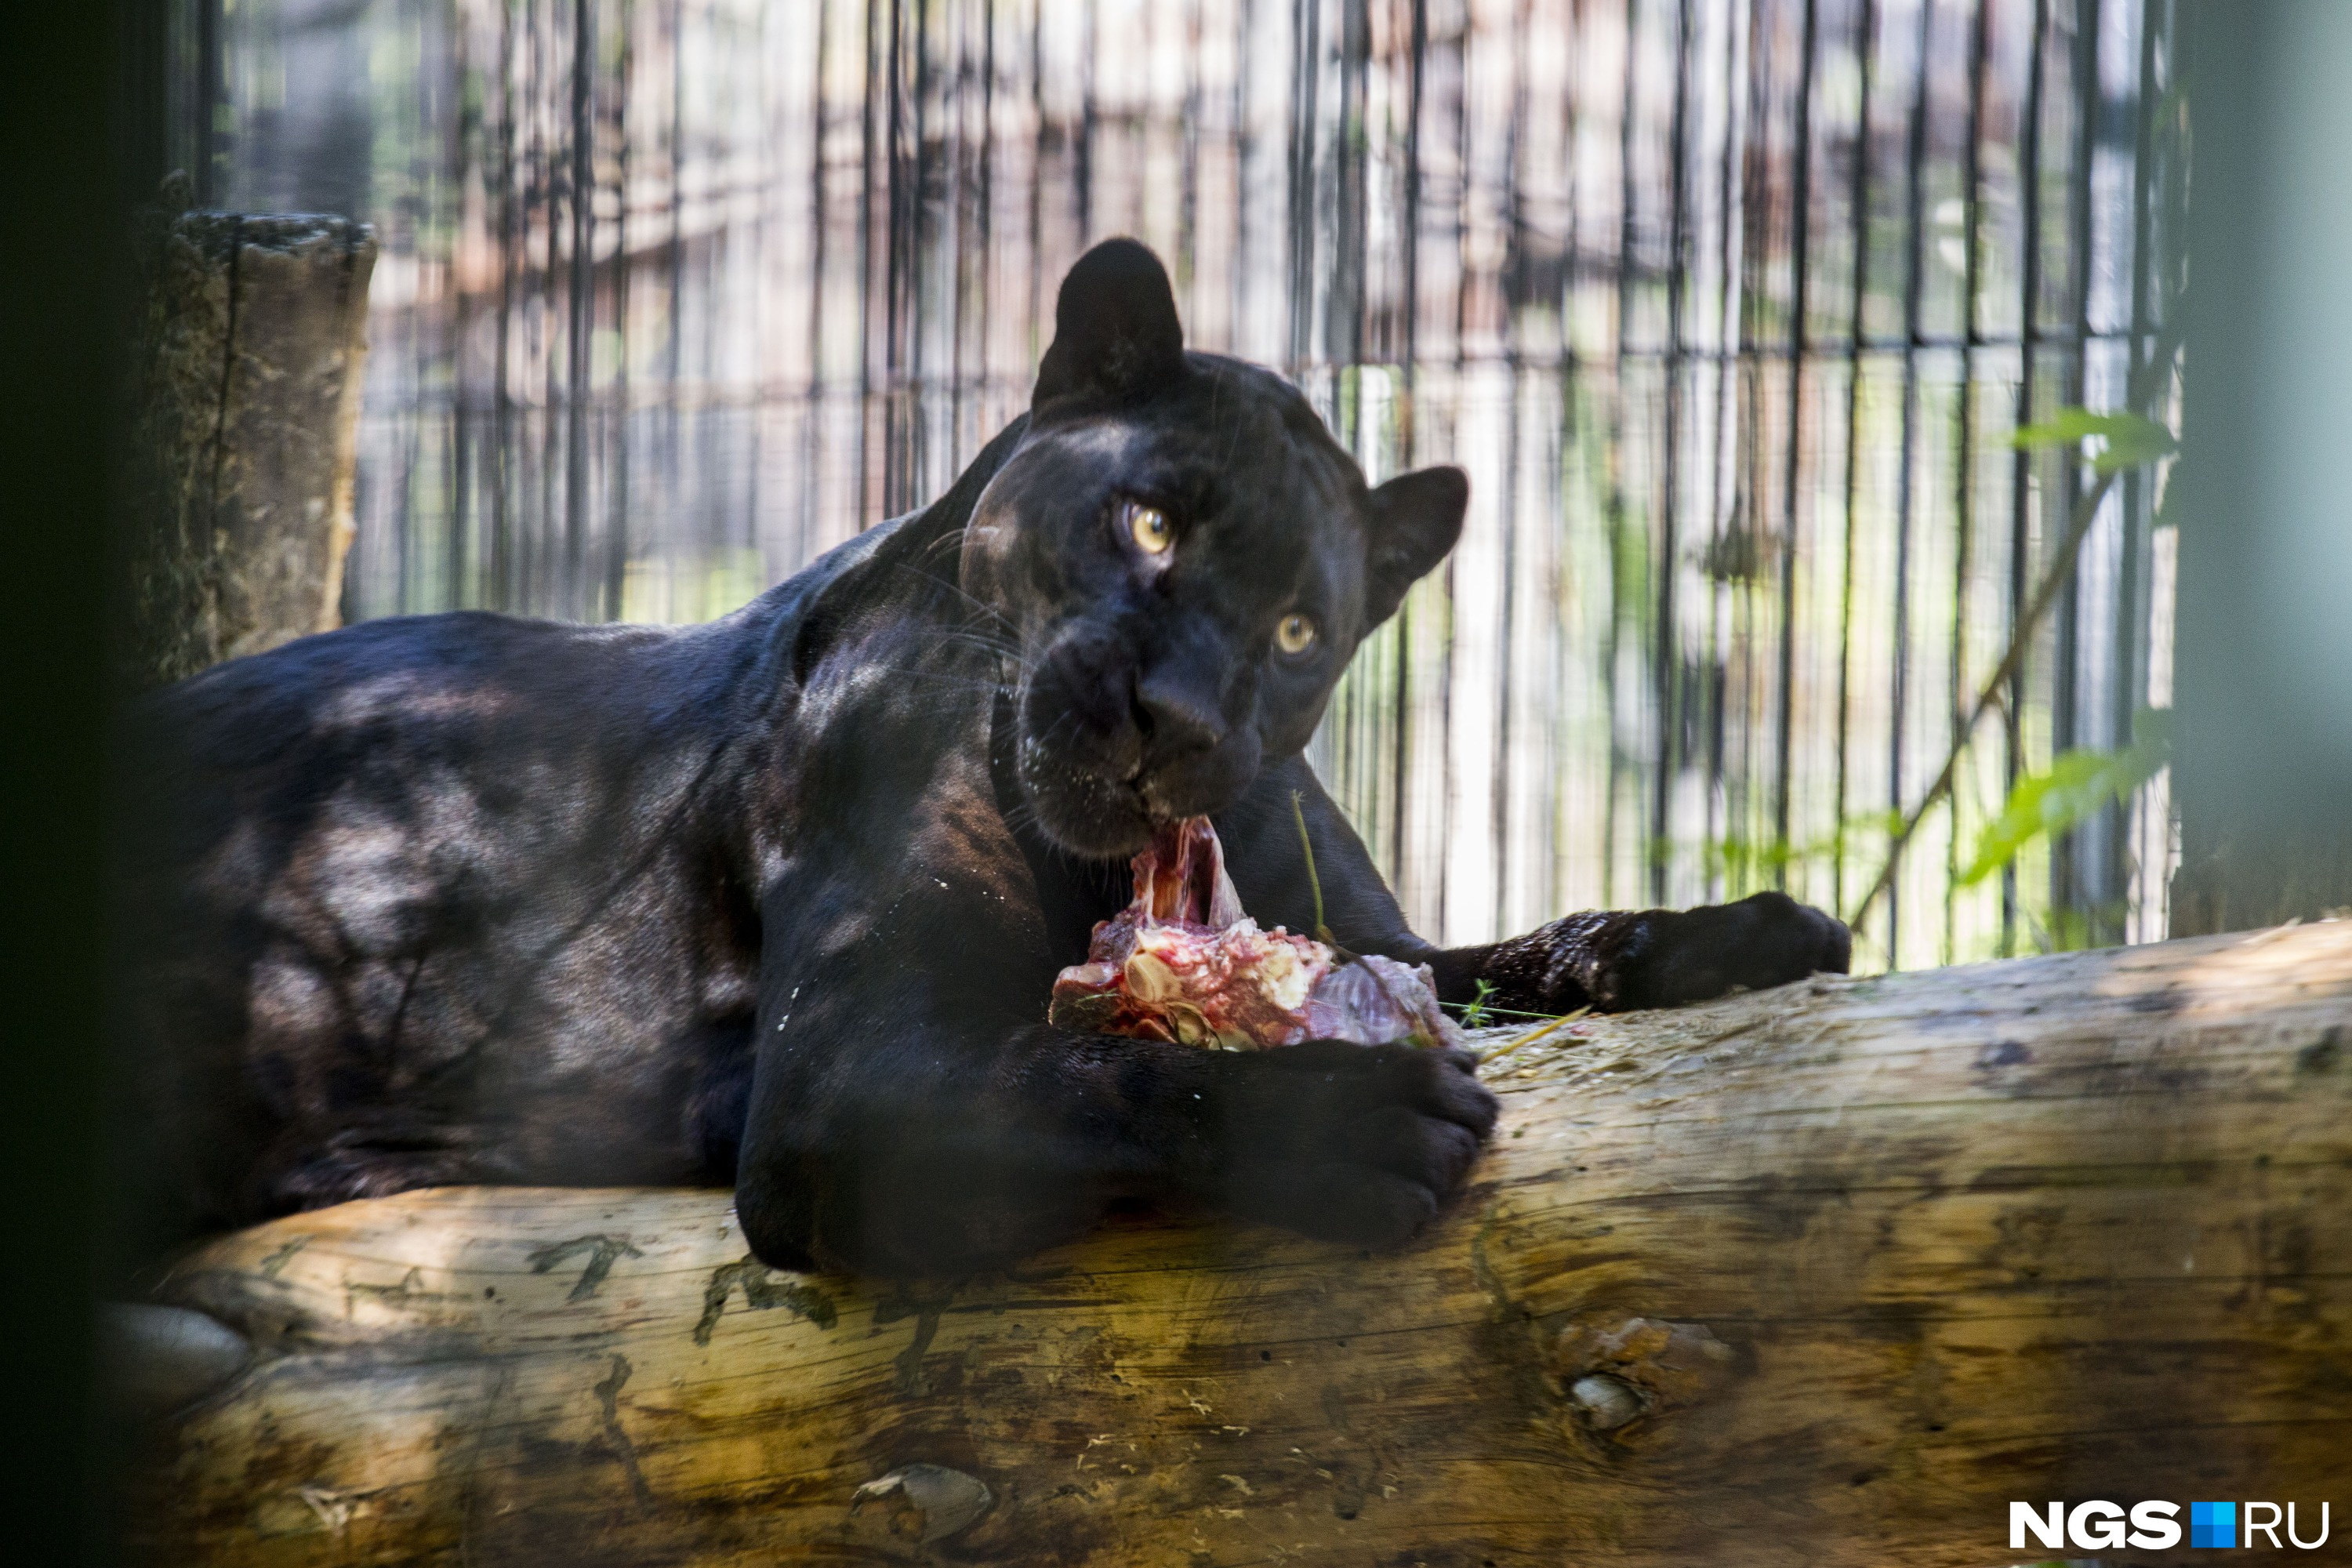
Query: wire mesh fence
point(1730, 307)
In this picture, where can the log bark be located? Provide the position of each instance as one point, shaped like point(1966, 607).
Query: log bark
point(251, 345)
point(1827, 1275)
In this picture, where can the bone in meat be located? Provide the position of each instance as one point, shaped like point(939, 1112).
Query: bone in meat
point(1182, 962)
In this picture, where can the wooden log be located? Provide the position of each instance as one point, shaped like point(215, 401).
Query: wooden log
point(1826, 1275)
point(252, 341)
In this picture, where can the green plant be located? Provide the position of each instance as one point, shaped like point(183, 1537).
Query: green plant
point(2078, 783)
point(1314, 883)
point(2127, 439)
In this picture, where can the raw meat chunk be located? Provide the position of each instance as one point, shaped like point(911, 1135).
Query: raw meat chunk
point(1182, 962)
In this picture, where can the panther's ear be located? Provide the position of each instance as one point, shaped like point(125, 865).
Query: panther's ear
point(1413, 521)
point(1115, 330)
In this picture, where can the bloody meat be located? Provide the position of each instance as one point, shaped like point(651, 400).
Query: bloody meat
point(1182, 962)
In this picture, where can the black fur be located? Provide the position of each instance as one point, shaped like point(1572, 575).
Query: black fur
point(778, 900)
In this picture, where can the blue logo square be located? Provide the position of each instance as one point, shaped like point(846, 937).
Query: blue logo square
point(2213, 1524)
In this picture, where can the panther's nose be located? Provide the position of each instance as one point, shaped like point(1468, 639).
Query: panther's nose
point(1176, 716)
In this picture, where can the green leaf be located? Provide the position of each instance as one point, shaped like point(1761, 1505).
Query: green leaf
point(2077, 784)
point(2127, 440)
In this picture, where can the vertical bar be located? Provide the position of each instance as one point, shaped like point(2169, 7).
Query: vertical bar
point(2129, 654)
point(2131, 622)
point(674, 255)
point(911, 246)
point(1083, 184)
point(1237, 298)
point(1461, 319)
point(1799, 241)
point(1738, 443)
point(1667, 649)
point(1610, 654)
point(1860, 201)
point(1305, 28)
point(2069, 892)
point(1037, 281)
point(212, 97)
point(1189, 197)
point(616, 541)
point(987, 223)
point(1407, 433)
point(501, 482)
point(580, 308)
point(1506, 620)
point(1964, 477)
point(2021, 547)
point(876, 63)
point(1570, 383)
point(961, 188)
point(820, 232)
point(932, 247)
point(545, 593)
point(463, 593)
point(897, 241)
point(735, 524)
point(1343, 328)
point(1914, 269)
point(405, 482)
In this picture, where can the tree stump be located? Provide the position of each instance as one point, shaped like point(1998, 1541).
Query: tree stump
point(1827, 1275)
point(251, 343)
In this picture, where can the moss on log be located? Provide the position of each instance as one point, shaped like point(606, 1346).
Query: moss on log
point(1825, 1276)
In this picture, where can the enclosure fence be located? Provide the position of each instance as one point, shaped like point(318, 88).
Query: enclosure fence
point(1730, 307)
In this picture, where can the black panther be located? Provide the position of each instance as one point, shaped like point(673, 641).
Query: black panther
point(778, 900)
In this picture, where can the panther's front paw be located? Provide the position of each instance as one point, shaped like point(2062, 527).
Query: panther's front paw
point(1351, 1143)
point(1764, 939)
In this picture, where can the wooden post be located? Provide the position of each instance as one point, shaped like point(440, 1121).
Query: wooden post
point(252, 341)
point(1823, 1276)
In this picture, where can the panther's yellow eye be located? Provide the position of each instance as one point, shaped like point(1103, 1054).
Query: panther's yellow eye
point(1149, 528)
point(1296, 635)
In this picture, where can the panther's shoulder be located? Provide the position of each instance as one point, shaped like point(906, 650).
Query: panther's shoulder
point(901, 570)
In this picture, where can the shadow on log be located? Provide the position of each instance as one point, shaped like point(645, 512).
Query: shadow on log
point(1826, 1275)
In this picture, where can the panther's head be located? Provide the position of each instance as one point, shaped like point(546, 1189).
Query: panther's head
point(1186, 559)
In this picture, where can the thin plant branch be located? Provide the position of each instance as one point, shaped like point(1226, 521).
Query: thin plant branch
point(2152, 376)
point(1315, 884)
